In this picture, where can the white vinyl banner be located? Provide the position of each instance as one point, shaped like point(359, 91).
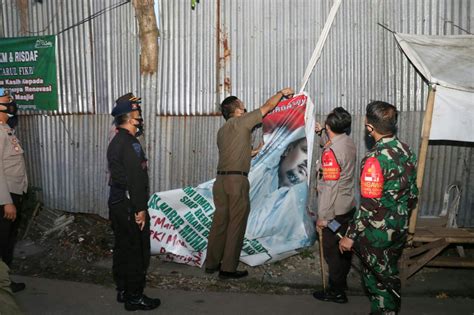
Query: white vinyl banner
point(453, 115)
point(279, 221)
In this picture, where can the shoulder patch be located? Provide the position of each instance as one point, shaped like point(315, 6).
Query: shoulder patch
point(330, 166)
point(138, 149)
point(371, 181)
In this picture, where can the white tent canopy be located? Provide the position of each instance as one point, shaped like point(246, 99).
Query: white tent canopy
point(448, 62)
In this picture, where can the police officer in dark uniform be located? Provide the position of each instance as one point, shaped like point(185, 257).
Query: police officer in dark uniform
point(128, 205)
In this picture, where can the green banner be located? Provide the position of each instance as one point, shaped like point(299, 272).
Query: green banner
point(28, 70)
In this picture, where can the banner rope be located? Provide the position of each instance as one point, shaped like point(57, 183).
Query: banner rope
point(320, 44)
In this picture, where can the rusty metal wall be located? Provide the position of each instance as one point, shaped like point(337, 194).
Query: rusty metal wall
point(186, 83)
point(242, 47)
point(97, 62)
point(65, 157)
point(265, 45)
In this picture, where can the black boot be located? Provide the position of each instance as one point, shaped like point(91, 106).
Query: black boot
point(120, 295)
point(233, 275)
point(331, 295)
point(17, 286)
point(140, 302)
point(212, 269)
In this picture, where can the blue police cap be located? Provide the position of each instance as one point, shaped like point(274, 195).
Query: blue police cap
point(126, 104)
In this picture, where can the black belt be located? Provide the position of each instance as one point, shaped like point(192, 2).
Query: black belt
point(232, 173)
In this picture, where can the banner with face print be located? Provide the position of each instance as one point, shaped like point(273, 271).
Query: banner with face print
point(279, 222)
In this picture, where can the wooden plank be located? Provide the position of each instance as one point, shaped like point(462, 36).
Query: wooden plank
point(425, 137)
point(450, 240)
point(431, 222)
point(459, 262)
point(440, 232)
point(410, 252)
point(419, 262)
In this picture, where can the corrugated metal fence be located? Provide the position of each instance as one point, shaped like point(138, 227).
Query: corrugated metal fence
point(242, 47)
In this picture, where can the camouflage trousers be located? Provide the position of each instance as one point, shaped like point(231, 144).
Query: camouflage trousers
point(384, 261)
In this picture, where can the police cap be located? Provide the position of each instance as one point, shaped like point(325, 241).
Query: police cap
point(126, 104)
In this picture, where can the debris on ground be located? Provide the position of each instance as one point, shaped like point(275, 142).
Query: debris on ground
point(81, 250)
point(49, 221)
point(442, 295)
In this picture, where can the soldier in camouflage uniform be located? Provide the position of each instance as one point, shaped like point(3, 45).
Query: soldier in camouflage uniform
point(388, 195)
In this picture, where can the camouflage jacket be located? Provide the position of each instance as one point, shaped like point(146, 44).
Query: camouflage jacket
point(384, 220)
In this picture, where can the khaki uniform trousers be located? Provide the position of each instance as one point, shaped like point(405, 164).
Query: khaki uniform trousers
point(231, 199)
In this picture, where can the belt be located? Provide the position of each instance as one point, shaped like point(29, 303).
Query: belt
point(232, 173)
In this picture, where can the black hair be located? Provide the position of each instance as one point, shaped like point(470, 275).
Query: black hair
point(228, 106)
point(121, 119)
point(339, 120)
point(383, 116)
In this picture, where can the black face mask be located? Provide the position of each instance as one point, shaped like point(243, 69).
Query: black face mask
point(139, 127)
point(369, 139)
point(12, 122)
point(11, 108)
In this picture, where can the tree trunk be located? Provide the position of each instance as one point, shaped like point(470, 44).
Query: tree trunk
point(22, 6)
point(148, 29)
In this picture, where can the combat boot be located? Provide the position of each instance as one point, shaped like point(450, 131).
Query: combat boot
point(120, 296)
point(140, 302)
point(331, 295)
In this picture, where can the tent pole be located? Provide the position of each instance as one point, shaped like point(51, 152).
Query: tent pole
point(425, 137)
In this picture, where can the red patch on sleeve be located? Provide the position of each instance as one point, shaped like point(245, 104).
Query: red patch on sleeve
point(330, 166)
point(371, 181)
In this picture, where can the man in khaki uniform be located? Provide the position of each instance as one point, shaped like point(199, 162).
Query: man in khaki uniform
point(13, 182)
point(231, 189)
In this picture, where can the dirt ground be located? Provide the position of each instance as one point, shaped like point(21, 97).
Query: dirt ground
point(82, 251)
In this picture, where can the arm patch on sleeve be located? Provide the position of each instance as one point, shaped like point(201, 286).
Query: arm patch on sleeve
point(371, 181)
point(138, 149)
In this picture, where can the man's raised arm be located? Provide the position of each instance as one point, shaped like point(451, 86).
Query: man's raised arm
point(273, 101)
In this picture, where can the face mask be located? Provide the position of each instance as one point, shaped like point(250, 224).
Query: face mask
point(369, 139)
point(12, 122)
point(11, 109)
point(139, 127)
point(368, 130)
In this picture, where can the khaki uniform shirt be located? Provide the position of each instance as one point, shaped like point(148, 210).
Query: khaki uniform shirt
point(7, 300)
point(234, 140)
point(336, 197)
point(12, 165)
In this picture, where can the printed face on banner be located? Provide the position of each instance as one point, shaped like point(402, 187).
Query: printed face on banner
point(293, 167)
